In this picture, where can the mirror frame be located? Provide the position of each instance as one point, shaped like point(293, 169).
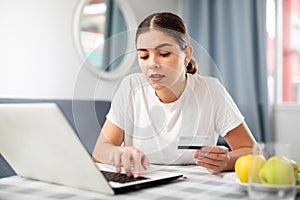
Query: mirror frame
point(128, 59)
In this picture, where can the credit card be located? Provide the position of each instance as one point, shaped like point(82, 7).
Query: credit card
point(192, 142)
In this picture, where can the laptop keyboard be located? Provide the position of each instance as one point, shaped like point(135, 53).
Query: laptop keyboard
point(121, 178)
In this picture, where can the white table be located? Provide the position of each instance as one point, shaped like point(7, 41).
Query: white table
point(198, 184)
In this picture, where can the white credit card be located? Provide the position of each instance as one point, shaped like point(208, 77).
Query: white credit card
point(192, 142)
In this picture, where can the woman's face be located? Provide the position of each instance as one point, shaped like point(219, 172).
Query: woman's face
point(161, 59)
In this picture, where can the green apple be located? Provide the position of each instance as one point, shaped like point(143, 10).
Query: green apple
point(276, 171)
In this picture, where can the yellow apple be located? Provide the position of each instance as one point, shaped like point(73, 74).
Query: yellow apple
point(243, 167)
point(276, 171)
point(296, 170)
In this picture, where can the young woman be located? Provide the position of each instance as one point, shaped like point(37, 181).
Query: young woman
point(152, 110)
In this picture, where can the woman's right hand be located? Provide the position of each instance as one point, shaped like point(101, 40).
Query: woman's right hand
point(127, 155)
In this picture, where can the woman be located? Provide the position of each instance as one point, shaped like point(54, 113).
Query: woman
point(152, 110)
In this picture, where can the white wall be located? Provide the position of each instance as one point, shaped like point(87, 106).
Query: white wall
point(37, 54)
point(287, 127)
point(38, 58)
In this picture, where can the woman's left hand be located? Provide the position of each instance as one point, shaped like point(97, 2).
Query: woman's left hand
point(214, 158)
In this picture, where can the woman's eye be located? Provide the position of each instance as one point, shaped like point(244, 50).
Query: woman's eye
point(165, 54)
point(144, 57)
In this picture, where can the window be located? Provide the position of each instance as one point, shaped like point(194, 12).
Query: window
point(283, 50)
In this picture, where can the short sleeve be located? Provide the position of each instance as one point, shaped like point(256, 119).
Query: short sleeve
point(227, 115)
point(119, 104)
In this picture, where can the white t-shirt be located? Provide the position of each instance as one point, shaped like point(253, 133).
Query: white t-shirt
point(204, 109)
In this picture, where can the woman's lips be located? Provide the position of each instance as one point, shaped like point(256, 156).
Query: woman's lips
point(156, 77)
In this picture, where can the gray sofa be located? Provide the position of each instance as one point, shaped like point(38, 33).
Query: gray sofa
point(86, 117)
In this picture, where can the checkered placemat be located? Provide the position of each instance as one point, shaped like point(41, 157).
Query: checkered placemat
point(197, 183)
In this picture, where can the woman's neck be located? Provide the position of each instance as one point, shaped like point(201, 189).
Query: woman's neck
point(169, 95)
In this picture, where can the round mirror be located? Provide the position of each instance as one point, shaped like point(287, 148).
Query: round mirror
point(103, 37)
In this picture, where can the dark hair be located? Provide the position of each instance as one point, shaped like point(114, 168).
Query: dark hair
point(172, 25)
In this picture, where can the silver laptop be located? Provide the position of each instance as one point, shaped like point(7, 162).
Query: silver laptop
point(39, 143)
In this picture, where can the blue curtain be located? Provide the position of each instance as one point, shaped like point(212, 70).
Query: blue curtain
point(234, 35)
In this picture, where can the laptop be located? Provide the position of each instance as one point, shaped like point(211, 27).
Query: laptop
point(39, 143)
